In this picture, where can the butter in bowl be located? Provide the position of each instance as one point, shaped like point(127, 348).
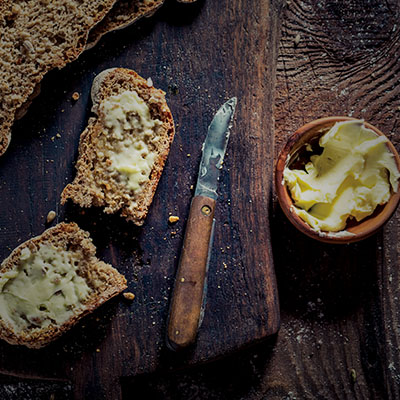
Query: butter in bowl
point(337, 179)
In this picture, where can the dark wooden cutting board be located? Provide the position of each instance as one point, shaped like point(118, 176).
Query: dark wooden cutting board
point(201, 55)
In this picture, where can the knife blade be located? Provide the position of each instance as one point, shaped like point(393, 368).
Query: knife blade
point(187, 302)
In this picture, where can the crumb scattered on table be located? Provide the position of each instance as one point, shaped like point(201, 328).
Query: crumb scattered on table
point(129, 295)
point(173, 218)
point(50, 216)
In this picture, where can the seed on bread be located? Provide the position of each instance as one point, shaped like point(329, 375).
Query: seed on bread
point(50, 282)
point(123, 149)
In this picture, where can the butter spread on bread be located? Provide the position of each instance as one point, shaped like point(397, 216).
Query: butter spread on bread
point(50, 282)
point(123, 149)
point(132, 156)
point(43, 287)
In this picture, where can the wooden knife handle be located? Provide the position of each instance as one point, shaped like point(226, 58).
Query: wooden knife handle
point(187, 296)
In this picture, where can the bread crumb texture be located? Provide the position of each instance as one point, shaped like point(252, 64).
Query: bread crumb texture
point(123, 150)
point(49, 282)
point(37, 36)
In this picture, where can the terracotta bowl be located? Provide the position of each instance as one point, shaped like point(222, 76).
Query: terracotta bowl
point(310, 133)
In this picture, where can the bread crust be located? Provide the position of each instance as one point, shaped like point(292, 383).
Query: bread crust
point(66, 236)
point(33, 42)
point(83, 190)
point(123, 14)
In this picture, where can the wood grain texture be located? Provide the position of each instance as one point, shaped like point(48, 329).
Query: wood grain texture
point(340, 314)
point(201, 54)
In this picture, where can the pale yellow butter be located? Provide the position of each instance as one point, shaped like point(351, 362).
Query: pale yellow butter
point(355, 173)
point(133, 132)
point(43, 288)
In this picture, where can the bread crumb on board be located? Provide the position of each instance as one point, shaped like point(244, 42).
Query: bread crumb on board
point(172, 219)
point(75, 96)
point(50, 216)
point(129, 295)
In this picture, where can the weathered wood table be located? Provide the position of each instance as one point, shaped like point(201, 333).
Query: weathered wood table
point(288, 63)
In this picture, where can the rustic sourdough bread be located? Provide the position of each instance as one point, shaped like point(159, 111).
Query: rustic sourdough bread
point(37, 36)
point(123, 14)
point(123, 149)
point(51, 281)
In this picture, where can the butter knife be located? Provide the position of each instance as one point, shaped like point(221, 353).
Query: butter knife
point(187, 303)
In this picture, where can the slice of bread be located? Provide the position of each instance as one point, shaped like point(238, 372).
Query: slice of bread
point(123, 149)
point(37, 36)
point(123, 14)
point(51, 281)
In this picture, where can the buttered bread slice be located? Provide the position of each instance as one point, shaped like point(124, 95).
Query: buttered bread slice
point(123, 150)
point(49, 282)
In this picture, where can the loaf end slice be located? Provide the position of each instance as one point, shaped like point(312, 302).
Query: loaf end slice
point(123, 14)
point(123, 150)
point(50, 282)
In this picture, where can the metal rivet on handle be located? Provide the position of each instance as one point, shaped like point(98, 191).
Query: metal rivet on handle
point(206, 210)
